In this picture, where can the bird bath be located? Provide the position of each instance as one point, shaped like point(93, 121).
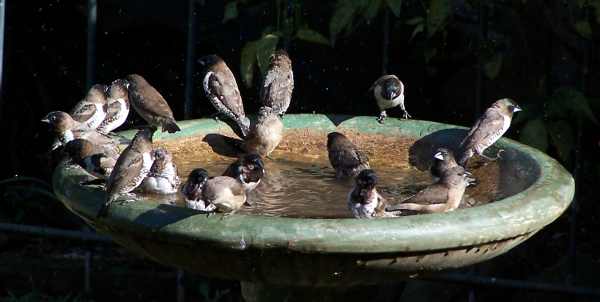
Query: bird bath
point(319, 255)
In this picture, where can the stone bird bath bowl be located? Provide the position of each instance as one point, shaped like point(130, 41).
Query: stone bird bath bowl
point(267, 252)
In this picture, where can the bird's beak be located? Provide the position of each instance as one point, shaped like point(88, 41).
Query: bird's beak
point(517, 109)
point(45, 120)
point(439, 156)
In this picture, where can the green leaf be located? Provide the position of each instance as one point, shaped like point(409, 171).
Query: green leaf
point(372, 9)
point(342, 18)
point(493, 66)
point(395, 6)
point(414, 21)
point(534, 134)
point(231, 11)
point(584, 29)
point(418, 29)
point(313, 36)
point(264, 48)
point(437, 16)
point(562, 138)
point(567, 100)
point(247, 62)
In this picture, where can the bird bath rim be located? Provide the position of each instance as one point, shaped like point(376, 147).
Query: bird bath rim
point(518, 216)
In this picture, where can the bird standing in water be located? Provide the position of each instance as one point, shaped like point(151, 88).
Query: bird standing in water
point(388, 91)
point(162, 178)
point(150, 104)
point(131, 168)
point(90, 111)
point(249, 170)
point(222, 91)
point(344, 156)
point(266, 134)
point(278, 85)
point(487, 130)
point(443, 196)
point(364, 201)
point(192, 191)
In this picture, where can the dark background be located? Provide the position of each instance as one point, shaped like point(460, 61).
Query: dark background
point(455, 58)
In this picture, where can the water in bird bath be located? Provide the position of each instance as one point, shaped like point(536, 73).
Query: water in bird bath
point(300, 182)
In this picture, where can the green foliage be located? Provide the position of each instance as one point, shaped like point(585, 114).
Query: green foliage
point(438, 14)
point(550, 125)
point(395, 6)
point(231, 11)
point(309, 35)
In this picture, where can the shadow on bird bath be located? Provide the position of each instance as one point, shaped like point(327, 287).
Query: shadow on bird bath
point(337, 119)
point(420, 154)
point(224, 145)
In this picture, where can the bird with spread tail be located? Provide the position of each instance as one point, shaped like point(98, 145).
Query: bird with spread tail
point(278, 84)
point(150, 104)
point(364, 201)
point(118, 106)
point(162, 178)
point(443, 196)
point(222, 91)
point(265, 134)
point(344, 156)
point(91, 110)
point(487, 130)
point(131, 168)
point(388, 91)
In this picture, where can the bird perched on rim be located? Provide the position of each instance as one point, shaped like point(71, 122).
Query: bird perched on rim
point(487, 130)
point(248, 169)
point(192, 191)
point(388, 91)
point(265, 134)
point(364, 201)
point(131, 168)
point(222, 91)
point(67, 129)
point(278, 84)
point(344, 156)
point(443, 196)
point(150, 104)
point(95, 160)
point(162, 178)
point(90, 111)
point(118, 106)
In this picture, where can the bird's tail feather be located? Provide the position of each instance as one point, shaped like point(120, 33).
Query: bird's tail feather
point(170, 126)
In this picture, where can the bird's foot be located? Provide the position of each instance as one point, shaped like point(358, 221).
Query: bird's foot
point(405, 115)
point(382, 117)
point(498, 156)
point(215, 116)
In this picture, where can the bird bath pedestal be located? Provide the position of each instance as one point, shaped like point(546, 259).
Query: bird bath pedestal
point(279, 258)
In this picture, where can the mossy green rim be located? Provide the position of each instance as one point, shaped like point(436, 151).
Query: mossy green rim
point(526, 212)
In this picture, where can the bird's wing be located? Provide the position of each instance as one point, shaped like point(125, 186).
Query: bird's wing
point(83, 111)
point(347, 157)
point(148, 101)
point(434, 194)
point(486, 130)
point(225, 193)
point(224, 93)
point(277, 89)
point(128, 164)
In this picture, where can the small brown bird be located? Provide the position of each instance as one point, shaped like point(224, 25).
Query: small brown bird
point(487, 130)
point(162, 178)
point(364, 201)
point(118, 106)
point(67, 129)
point(226, 193)
point(192, 191)
point(248, 169)
point(344, 156)
point(388, 91)
point(91, 111)
point(266, 134)
point(222, 91)
point(92, 158)
point(150, 104)
point(442, 196)
point(276, 91)
point(443, 159)
point(131, 168)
